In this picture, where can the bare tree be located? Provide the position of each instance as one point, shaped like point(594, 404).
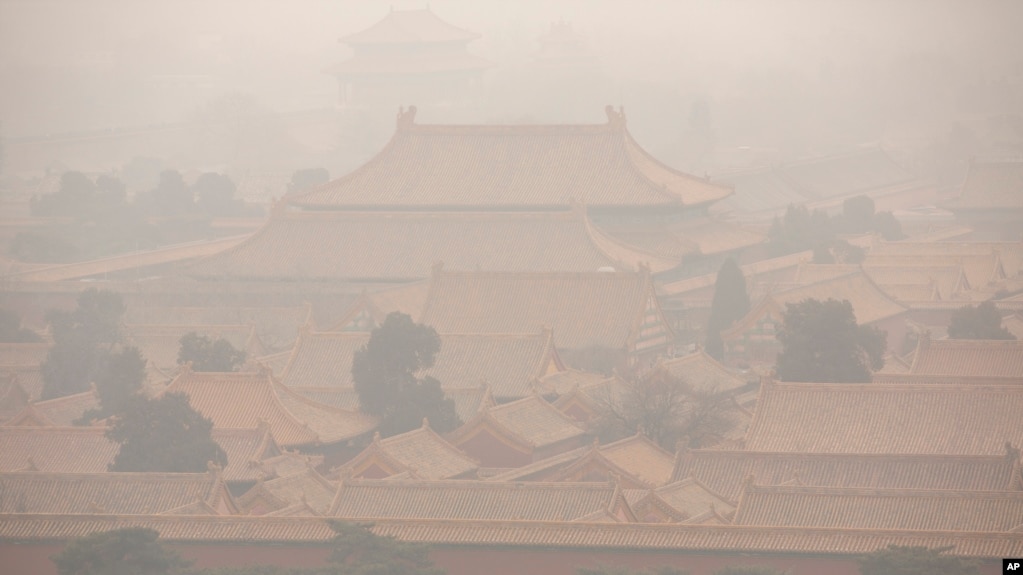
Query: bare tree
point(668, 410)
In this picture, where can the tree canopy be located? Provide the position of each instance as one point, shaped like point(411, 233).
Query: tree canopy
point(897, 560)
point(387, 375)
point(82, 340)
point(130, 551)
point(207, 354)
point(118, 381)
point(667, 410)
point(981, 322)
point(730, 304)
point(821, 342)
point(163, 434)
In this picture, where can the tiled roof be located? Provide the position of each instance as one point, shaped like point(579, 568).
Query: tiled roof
point(323, 359)
point(676, 240)
point(725, 471)
point(815, 180)
point(948, 280)
point(642, 458)
point(685, 501)
point(160, 344)
point(868, 302)
point(531, 420)
point(60, 411)
point(980, 270)
point(13, 397)
point(402, 246)
point(23, 354)
point(893, 419)
point(992, 185)
point(565, 381)
point(990, 358)
point(512, 167)
point(306, 486)
point(240, 400)
point(56, 449)
point(410, 27)
point(276, 327)
point(28, 377)
point(1009, 253)
point(248, 452)
point(525, 534)
point(468, 402)
point(1014, 323)
point(114, 493)
point(915, 510)
point(703, 372)
point(905, 377)
point(507, 363)
point(542, 469)
point(420, 451)
point(370, 309)
point(583, 309)
point(477, 500)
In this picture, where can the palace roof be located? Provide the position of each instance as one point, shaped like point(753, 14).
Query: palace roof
point(420, 452)
point(507, 363)
point(676, 240)
point(240, 400)
point(468, 402)
point(23, 354)
point(410, 27)
point(512, 168)
point(636, 460)
point(402, 246)
point(477, 500)
point(703, 373)
point(886, 419)
point(57, 449)
point(967, 357)
point(914, 510)
point(1010, 254)
point(606, 309)
point(822, 180)
point(725, 471)
point(685, 501)
point(160, 344)
point(60, 411)
point(276, 327)
point(524, 534)
point(531, 421)
point(991, 186)
point(304, 487)
point(113, 493)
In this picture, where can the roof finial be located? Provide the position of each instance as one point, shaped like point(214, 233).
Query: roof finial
point(426, 423)
point(406, 118)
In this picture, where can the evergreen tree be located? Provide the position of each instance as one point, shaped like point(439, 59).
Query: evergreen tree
point(208, 354)
point(387, 378)
point(357, 551)
point(896, 560)
point(730, 304)
point(821, 342)
point(82, 340)
point(980, 322)
point(130, 551)
point(120, 379)
point(163, 434)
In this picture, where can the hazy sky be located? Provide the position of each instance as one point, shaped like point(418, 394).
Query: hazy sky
point(95, 64)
